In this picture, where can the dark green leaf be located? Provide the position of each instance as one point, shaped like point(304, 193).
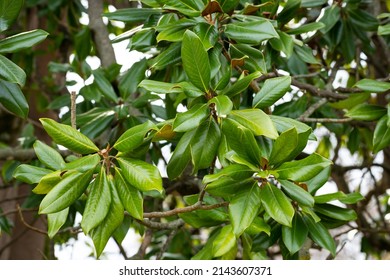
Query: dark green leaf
point(11, 72)
point(48, 156)
point(134, 137)
point(132, 15)
point(169, 56)
point(373, 85)
point(30, 174)
point(381, 138)
point(309, 27)
point(283, 147)
point(297, 193)
point(68, 137)
point(240, 85)
point(174, 31)
point(272, 91)
point(55, 221)
point(366, 112)
point(9, 11)
point(335, 212)
point(207, 33)
point(251, 32)
point(320, 235)
point(228, 5)
point(22, 41)
point(12, 98)
point(104, 85)
point(191, 119)
point(277, 205)
point(131, 78)
point(330, 18)
point(295, 236)
point(289, 11)
point(196, 61)
point(191, 8)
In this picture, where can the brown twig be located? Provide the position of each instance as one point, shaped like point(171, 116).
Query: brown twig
point(144, 245)
point(28, 225)
point(157, 225)
point(325, 120)
point(166, 244)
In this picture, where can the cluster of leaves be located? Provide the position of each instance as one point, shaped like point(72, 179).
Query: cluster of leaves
point(218, 59)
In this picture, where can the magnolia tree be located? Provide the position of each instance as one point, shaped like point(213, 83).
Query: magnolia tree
point(222, 142)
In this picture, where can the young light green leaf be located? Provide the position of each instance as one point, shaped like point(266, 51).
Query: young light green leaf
point(196, 61)
point(294, 236)
point(11, 72)
point(22, 41)
point(55, 221)
point(373, 85)
point(102, 233)
point(277, 205)
point(48, 181)
point(65, 192)
point(251, 32)
point(320, 235)
point(224, 242)
point(255, 120)
point(134, 137)
point(352, 198)
point(12, 98)
point(84, 163)
point(297, 193)
point(48, 156)
point(98, 202)
point(131, 198)
point(141, 175)
point(272, 90)
point(160, 87)
point(30, 174)
point(304, 169)
point(243, 208)
point(191, 119)
point(68, 137)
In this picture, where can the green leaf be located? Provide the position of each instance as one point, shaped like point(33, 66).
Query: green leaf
point(381, 137)
point(297, 193)
point(181, 156)
point(168, 57)
point(228, 5)
point(48, 156)
point(132, 15)
point(141, 175)
point(131, 198)
point(55, 221)
point(352, 100)
point(196, 61)
point(330, 18)
point(312, 3)
point(224, 242)
point(204, 145)
point(352, 198)
point(30, 174)
point(272, 91)
point(320, 235)
point(283, 147)
point(234, 171)
point(174, 31)
point(277, 205)
point(305, 53)
point(384, 29)
point(372, 85)
point(258, 226)
point(282, 124)
point(104, 86)
point(83, 164)
point(98, 202)
point(223, 105)
point(47, 182)
point(253, 57)
point(335, 212)
point(285, 43)
point(295, 236)
point(128, 83)
point(11, 72)
point(12, 98)
point(289, 11)
point(68, 137)
point(243, 209)
point(324, 198)
point(22, 41)
point(134, 137)
point(366, 112)
point(207, 33)
point(191, 119)
point(191, 8)
point(241, 85)
point(251, 32)
point(160, 87)
point(65, 192)
point(102, 233)
point(255, 120)
point(304, 169)
point(9, 11)
point(309, 27)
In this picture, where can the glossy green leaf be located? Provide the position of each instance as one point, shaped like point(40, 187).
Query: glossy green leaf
point(65, 192)
point(191, 119)
point(30, 174)
point(128, 83)
point(253, 57)
point(22, 41)
point(258, 226)
point(295, 236)
point(352, 100)
point(98, 202)
point(98, 125)
point(195, 61)
point(228, 5)
point(224, 242)
point(206, 253)
point(335, 212)
point(191, 8)
point(141, 175)
point(324, 198)
point(304, 169)
point(352, 198)
point(381, 138)
point(174, 31)
point(272, 90)
point(102, 233)
point(11, 72)
point(48, 156)
point(243, 208)
point(283, 147)
point(285, 43)
point(160, 87)
point(251, 32)
point(366, 112)
point(223, 105)
point(134, 137)
point(277, 205)
point(132, 15)
point(305, 54)
point(9, 11)
point(48, 181)
point(227, 187)
point(55, 221)
point(84, 163)
point(297, 193)
point(319, 180)
point(131, 198)
point(234, 171)
point(255, 120)
point(68, 137)
point(181, 156)
point(309, 27)
point(282, 124)
point(204, 145)
point(12, 98)
point(372, 85)
point(240, 85)
point(320, 235)
point(207, 33)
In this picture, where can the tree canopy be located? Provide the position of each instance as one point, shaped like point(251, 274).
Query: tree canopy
point(246, 129)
